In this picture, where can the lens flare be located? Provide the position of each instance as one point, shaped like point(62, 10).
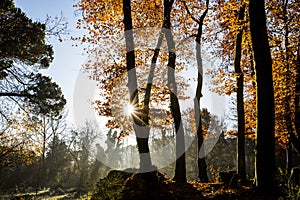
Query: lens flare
point(129, 109)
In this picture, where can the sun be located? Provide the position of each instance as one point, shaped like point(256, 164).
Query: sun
point(129, 109)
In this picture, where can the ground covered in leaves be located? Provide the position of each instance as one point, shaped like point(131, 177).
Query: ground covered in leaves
point(154, 185)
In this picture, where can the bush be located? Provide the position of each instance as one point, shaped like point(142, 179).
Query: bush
point(110, 187)
point(289, 183)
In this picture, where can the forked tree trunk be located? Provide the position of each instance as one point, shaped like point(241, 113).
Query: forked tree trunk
point(140, 127)
point(202, 174)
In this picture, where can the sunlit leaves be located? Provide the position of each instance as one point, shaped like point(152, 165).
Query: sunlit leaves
point(20, 140)
point(283, 26)
point(107, 63)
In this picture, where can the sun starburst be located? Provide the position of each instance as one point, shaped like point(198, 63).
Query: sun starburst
point(129, 109)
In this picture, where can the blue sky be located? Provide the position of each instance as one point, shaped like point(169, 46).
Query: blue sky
point(68, 59)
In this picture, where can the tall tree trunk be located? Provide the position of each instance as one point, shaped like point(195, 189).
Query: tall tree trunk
point(84, 167)
point(140, 127)
point(180, 169)
point(202, 174)
point(241, 163)
point(286, 102)
point(151, 75)
point(297, 96)
point(265, 141)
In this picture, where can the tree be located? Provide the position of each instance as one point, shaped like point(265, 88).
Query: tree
point(48, 129)
point(80, 147)
point(180, 169)
point(241, 163)
point(201, 159)
point(24, 92)
point(23, 52)
point(140, 120)
point(59, 166)
point(22, 39)
point(265, 140)
point(142, 91)
point(235, 72)
point(297, 91)
point(20, 143)
point(283, 25)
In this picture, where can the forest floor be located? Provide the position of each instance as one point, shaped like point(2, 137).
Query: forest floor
point(197, 191)
point(153, 186)
point(44, 195)
point(168, 191)
point(171, 191)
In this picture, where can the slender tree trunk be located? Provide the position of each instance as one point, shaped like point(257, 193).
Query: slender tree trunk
point(286, 102)
point(141, 128)
point(151, 74)
point(42, 171)
point(83, 170)
point(241, 163)
point(37, 184)
point(180, 169)
point(265, 141)
point(289, 155)
point(202, 174)
point(297, 95)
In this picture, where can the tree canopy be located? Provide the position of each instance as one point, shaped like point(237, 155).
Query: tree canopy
point(23, 52)
point(25, 93)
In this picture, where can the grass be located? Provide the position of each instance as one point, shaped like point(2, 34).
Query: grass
point(87, 197)
point(42, 195)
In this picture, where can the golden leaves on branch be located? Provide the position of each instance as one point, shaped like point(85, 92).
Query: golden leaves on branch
point(21, 139)
point(103, 20)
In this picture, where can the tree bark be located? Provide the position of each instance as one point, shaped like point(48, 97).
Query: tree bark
point(202, 174)
point(241, 163)
point(180, 169)
point(288, 112)
point(141, 128)
point(297, 97)
point(265, 141)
